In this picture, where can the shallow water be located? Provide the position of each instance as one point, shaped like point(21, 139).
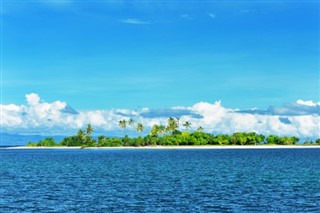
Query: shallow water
point(160, 180)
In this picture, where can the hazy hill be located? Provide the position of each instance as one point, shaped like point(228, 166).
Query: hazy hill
point(16, 139)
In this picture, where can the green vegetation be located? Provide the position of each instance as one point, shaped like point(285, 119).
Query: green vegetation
point(47, 142)
point(31, 144)
point(311, 142)
point(169, 135)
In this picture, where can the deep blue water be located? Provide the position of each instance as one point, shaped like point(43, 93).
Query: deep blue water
point(273, 180)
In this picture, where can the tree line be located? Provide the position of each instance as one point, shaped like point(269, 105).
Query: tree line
point(168, 135)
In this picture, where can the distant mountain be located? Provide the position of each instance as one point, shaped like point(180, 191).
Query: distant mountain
point(7, 139)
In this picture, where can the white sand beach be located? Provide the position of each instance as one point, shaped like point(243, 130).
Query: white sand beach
point(179, 147)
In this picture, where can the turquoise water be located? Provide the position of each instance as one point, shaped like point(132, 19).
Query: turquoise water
point(272, 180)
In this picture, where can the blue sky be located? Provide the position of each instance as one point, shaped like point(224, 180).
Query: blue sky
point(107, 55)
point(69, 63)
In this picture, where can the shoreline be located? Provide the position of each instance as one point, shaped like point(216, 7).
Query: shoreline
point(176, 147)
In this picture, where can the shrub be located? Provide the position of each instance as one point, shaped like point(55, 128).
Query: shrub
point(31, 144)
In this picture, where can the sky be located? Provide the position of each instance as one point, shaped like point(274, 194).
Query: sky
point(152, 59)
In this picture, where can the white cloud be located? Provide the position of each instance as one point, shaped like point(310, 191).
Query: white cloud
point(308, 103)
point(212, 113)
point(32, 98)
point(38, 117)
point(299, 108)
point(134, 21)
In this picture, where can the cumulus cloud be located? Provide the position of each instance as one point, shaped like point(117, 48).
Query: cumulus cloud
point(39, 117)
point(32, 98)
point(308, 103)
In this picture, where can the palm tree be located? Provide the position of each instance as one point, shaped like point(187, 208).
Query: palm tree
point(200, 129)
point(154, 130)
point(123, 124)
point(82, 136)
point(172, 125)
point(140, 127)
point(88, 132)
point(178, 121)
point(187, 125)
point(131, 122)
point(162, 129)
point(89, 129)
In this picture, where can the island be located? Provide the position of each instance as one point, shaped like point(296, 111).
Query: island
point(168, 135)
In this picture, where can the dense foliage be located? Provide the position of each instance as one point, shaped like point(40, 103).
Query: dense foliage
point(169, 136)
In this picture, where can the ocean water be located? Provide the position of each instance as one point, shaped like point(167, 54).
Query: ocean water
point(257, 180)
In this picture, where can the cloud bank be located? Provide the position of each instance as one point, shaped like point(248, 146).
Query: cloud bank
point(38, 117)
point(299, 108)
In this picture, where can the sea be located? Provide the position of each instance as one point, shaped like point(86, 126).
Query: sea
point(148, 180)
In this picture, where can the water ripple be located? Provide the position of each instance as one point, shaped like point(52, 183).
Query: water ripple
point(160, 180)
